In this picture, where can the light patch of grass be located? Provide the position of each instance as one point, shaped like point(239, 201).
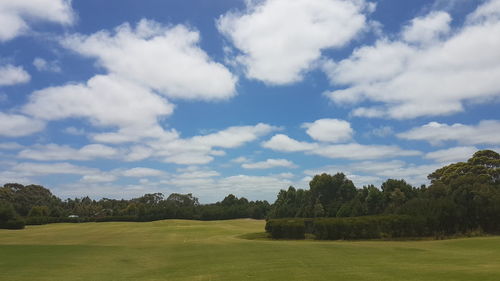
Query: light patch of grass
point(230, 250)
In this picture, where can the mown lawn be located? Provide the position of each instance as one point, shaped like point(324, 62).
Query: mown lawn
point(194, 250)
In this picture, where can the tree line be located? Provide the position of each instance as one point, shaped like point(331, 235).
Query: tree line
point(35, 204)
point(462, 197)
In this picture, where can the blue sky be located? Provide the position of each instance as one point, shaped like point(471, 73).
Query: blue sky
point(121, 98)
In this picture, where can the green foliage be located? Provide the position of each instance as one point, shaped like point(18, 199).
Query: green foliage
point(369, 227)
point(332, 191)
point(39, 211)
point(286, 228)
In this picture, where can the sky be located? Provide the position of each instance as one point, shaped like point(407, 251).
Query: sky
point(120, 98)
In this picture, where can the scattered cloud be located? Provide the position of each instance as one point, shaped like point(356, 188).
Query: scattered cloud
point(44, 65)
point(284, 143)
point(10, 146)
point(269, 164)
point(15, 125)
point(106, 101)
point(280, 40)
point(352, 151)
point(167, 59)
point(55, 152)
point(16, 16)
point(11, 75)
point(486, 132)
point(43, 169)
point(450, 155)
point(140, 172)
point(428, 29)
point(427, 71)
point(382, 131)
point(329, 130)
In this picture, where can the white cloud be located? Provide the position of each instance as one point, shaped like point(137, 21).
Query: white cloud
point(107, 101)
point(284, 143)
point(10, 146)
point(454, 154)
point(74, 131)
point(486, 132)
point(269, 164)
point(427, 29)
point(200, 149)
point(43, 169)
point(11, 75)
point(489, 11)
point(240, 159)
point(54, 152)
point(166, 59)
point(140, 172)
point(15, 125)
point(98, 178)
point(353, 151)
point(44, 65)
point(16, 15)
point(382, 131)
point(412, 80)
point(329, 130)
point(279, 40)
point(234, 136)
point(138, 152)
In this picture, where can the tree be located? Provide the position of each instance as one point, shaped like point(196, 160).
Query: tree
point(332, 191)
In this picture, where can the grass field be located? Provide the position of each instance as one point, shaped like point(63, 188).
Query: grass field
point(194, 250)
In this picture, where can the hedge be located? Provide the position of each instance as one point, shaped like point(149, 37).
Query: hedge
point(286, 228)
point(369, 227)
point(12, 224)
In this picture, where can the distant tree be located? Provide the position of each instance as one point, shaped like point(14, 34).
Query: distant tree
point(332, 191)
point(39, 211)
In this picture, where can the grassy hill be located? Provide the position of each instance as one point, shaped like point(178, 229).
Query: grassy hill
point(195, 250)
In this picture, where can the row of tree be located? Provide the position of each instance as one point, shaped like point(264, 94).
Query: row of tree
point(462, 197)
point(35, 204)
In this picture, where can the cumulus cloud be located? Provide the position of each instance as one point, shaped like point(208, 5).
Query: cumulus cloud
point(16, 16)
point(42, 169)
point(284, 143)
point(140, 172)
point(201, 149)
point(106, 101)
point(329, 130)
point(280, 40)
point(55, 152)
point(454, 154)
point(44, 65)
point(269, 164)
point(167, 59)
point(11, 75)
point(352, 151)
point(10, 146)
point(427, 29)
point(15, 125)
point(407, 79)
point(486, 132)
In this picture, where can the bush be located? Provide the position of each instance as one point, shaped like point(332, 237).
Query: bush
point(12, 224)
point(116, 218)
point(286, 228)
point(369, 227)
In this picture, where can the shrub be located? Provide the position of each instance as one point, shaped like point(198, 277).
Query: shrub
point(286, 228)
point(369, 227)
point(13, 224)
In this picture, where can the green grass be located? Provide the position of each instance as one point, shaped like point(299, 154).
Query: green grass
point(230, 250)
